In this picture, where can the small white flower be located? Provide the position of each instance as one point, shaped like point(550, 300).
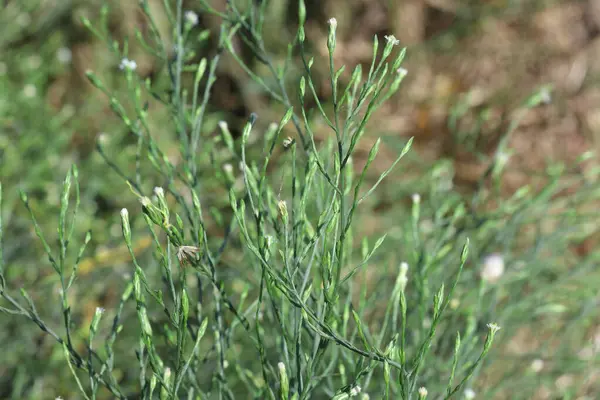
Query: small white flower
point(225, 364)
point(191, 18)
point(454, 303)
point(402, 71)
point(64, 55)
point(124, 213)
point(332, 22)
point(416, 198)
point(29, 90)
point(493, 268)
point(537, 365)
point(469, 394)
point(127, 64)
point(58, 398)
point(355, 391)
point(545, 96)
point(392, 39)
point(403, 268)
point(228, 168)
point(159, 191)
point(422, 391)
point(281, 367)
point(493, 327)
point(403, 278)
point(287, 142)
point(99, 310)
point(146, 202)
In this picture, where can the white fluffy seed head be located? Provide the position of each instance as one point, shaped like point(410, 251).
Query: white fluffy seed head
point(332, 22)
point(422, 391)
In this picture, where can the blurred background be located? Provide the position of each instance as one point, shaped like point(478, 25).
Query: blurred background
point(472, 64)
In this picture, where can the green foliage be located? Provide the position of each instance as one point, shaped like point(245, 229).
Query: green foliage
point(261, 283)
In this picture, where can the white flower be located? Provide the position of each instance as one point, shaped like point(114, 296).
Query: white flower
point(355, 391)
point(99, 310)
point(493, 268)
point(127, 64)
point(159, 191)
point(493, 327)
point(281, 367)
point(537, 365)
point(469, 394)
point(402, 71)
point(64, 55)
point(416, 198)
point(365, 396)
point(29, 90)
point(58, 398)
point(545, 96)
point(124, 213)
point(422, 391)
point(222, 125)
point(403, 275)
point(228, 168)
point(332, 22)
point(392, 39)
point(225, 364)
point(454, 303)
point(191, 18)
point(287, 142)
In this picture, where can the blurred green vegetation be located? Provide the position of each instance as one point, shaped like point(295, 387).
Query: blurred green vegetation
point(51, 117)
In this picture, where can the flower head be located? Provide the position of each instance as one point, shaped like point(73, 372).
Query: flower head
point(191, 18)
point(537, 365)
point(469, 394)
point(287, 142)
point(127, 64)
point(493, 268)
point(422, 391)
point(355, 391)
point(64, 55)
point(493, 327)
point(392, 39)
point(332, 22)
